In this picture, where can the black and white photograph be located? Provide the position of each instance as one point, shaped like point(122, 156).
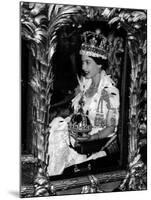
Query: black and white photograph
point(83, 99)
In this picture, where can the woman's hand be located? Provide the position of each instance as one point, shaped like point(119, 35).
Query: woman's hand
point(84, 138)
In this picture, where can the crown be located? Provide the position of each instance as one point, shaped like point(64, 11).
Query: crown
point(94, 44)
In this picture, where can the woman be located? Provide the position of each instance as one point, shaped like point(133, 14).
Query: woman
point(100, 102)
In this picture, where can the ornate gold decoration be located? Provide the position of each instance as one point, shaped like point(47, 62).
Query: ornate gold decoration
point(39, 25)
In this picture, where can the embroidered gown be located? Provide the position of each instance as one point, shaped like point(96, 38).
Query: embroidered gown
point(102, 109)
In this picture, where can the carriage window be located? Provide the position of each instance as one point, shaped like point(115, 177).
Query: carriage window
point(67, 65)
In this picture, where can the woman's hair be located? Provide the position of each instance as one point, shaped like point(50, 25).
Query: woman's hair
point(99, 60)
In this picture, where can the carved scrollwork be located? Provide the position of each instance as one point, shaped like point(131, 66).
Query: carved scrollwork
point(39, 25)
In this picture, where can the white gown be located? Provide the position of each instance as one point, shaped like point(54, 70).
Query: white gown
point(59, 152)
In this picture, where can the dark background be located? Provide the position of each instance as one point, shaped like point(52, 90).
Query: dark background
point(66, 66)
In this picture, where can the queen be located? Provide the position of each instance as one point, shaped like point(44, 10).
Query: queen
point(86, 134)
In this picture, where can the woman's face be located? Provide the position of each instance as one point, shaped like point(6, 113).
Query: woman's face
point(89, 66)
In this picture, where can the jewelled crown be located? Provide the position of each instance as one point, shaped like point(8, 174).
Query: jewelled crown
point(94, 44)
